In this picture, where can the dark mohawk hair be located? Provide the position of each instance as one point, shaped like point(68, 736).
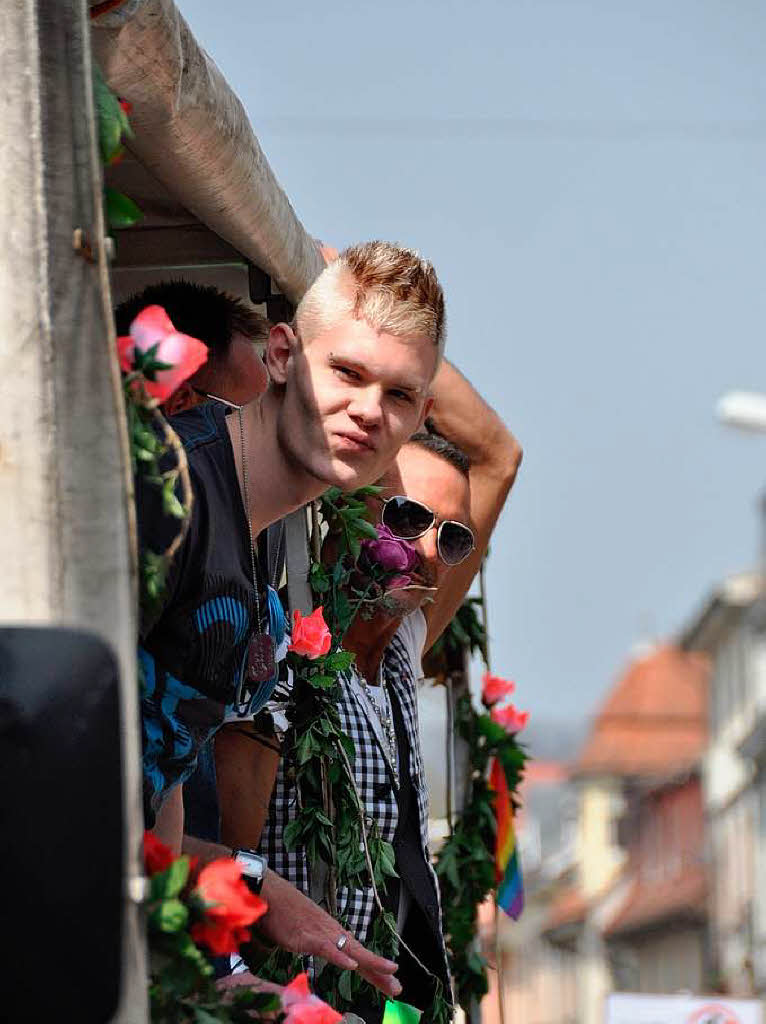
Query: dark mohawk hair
point(200, 310)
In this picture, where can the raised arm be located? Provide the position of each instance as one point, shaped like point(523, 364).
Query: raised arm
point(463, 417)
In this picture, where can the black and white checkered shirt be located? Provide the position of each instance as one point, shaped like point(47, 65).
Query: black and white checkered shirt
point(373, 771)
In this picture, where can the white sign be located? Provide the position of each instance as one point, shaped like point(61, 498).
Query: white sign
point(626, 1008)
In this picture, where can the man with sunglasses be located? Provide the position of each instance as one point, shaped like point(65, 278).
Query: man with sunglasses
point(442, 496)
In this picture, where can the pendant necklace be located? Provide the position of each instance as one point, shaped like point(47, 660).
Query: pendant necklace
point(261, 659)
point(386, 718)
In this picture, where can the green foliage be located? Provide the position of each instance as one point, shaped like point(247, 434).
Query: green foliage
point(113, 123)
point(148, 454)
point(465, 865)
point(465, 630)
point(121, 212)
point(146, 448)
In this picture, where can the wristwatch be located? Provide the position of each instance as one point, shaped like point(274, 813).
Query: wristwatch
point(253, 868)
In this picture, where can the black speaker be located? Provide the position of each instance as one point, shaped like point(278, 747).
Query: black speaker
point(61, 826)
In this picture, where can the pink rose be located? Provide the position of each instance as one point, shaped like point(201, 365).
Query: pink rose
point(183, 354)
point(304, 1008)
point(311, 637)
point(495, 689)
point(511, 719)
point(389, 552)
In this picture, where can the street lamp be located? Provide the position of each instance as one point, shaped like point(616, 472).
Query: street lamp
point(743, 410)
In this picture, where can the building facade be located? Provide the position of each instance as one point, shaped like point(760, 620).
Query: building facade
point(731, 629)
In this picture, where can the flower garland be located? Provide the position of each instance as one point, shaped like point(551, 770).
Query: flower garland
point(466, 864)
point(154, 358)
point(331, 825)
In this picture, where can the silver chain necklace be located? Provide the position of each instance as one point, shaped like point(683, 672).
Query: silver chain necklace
point(386, 717)
point(261, 657)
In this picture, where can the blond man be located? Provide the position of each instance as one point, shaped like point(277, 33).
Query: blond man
point(350, 382)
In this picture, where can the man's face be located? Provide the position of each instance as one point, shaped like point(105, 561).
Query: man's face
point(352, 396)
point(431, 480)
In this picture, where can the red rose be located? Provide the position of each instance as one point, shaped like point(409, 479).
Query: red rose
point(495, 689)
point(157, 856)
point(234, 907)
point(311, 637)
point(511, 719)
point(304, 1008)
point(183, 354)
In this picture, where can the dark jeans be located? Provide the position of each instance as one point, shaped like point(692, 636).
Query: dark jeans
point(202, 817)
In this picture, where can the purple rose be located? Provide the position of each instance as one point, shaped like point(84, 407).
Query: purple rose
point(390, 553)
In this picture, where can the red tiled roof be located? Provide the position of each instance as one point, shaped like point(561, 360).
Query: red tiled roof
point(654, 721)
point(649, 904)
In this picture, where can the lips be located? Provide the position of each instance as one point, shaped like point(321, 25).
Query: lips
point(356, 442)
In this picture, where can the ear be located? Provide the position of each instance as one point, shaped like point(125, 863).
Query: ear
point(280, 346)
point(427, 407)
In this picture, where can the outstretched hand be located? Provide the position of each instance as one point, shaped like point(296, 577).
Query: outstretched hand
point(297, 924)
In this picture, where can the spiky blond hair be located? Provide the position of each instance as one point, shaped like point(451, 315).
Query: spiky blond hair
point(394, 289)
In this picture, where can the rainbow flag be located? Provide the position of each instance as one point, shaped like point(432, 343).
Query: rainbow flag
point(510, 890)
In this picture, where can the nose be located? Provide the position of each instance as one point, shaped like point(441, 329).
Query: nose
point(366, 406)
point(426, 547)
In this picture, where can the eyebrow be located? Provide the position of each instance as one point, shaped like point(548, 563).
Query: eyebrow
point(354, 364)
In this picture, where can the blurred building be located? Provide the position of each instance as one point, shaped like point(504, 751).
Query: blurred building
point(616, 888)
point(731, 629)
point(539, 977)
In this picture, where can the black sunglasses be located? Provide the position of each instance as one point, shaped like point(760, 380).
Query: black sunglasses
point(408, 519)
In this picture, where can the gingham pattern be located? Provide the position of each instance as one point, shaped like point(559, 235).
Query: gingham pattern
point(373, 778)
point(375, 783)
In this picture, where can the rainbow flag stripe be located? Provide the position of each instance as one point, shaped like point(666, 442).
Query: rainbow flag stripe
point(510, 890)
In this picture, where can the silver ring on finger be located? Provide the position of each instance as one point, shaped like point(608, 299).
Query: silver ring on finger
point(342, 942)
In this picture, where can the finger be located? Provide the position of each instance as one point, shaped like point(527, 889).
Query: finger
point(370, 961)
point(338, 957)
point(387, 983)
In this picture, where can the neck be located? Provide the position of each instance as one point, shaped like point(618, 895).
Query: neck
point(275, 486)
point(368, 639)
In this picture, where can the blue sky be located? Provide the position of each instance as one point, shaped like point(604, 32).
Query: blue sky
point(590, 181)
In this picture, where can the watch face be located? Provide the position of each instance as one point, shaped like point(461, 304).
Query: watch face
point(253, 864)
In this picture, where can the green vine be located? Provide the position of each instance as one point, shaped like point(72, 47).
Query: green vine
point(331, 826)
point(464, 631)
point(465, 864)
point(151, 439)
